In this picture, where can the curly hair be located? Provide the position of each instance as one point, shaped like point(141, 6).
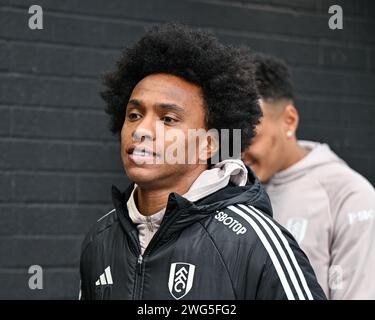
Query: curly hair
point(224, 73)
point(273, 78)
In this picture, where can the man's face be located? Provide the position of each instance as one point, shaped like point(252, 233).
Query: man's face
point(159, 101)
point(266, 154)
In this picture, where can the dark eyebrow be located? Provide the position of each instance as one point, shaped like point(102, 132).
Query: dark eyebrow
point(135, 102)
point(171, 107)
point(165, 106)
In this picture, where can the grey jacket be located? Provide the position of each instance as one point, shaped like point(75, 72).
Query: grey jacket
point(330, 210)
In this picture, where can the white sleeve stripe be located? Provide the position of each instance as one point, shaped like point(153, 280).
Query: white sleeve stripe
point(280, 250)
point(106, 215)
point(270, 251)
point(290, 252)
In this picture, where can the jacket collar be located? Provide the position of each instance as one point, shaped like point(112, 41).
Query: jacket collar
point(180, 212)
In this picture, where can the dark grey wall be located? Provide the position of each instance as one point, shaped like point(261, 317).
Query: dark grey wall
point(57, 158)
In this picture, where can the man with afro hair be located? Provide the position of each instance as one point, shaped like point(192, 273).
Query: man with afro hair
point(194, 223)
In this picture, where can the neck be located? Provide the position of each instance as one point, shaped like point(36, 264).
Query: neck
point(151, 200)
point(295, 154)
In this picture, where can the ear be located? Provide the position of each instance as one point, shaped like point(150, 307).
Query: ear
point(291, 119)
point(209, 146)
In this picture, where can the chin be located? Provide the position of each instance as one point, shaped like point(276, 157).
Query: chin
point(140, 175)
point(264, 178)
point(259, 174)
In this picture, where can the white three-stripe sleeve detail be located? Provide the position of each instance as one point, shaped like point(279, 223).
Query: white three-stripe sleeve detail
point(280, 250)
point(270, 251)
point(291, 254)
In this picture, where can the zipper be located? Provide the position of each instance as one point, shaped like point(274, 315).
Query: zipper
point(138, 267)
point(150, 224)
point(139, 264)
point(137, 294)
point(138, 278)
point(159, 234)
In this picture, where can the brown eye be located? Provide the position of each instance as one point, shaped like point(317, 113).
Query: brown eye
point(169, 120)
point(133, 116)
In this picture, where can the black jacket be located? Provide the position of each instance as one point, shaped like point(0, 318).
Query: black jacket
point(224, 246)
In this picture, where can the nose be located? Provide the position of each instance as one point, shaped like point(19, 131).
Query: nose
point(145, 131)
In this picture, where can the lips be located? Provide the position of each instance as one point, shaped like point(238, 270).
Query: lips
point(141, 151)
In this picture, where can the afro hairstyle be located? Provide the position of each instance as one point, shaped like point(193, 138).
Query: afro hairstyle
point(273, 78)
point(224, 73)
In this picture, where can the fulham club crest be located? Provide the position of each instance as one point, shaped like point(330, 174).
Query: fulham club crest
point(181, 277)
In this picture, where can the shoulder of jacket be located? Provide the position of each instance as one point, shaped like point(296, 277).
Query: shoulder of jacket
point(102, 224)
point(232, 223)
point(242, 232)
point(340, 175)
point(341, 183)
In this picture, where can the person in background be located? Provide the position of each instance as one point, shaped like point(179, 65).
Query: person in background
point(327, 206)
